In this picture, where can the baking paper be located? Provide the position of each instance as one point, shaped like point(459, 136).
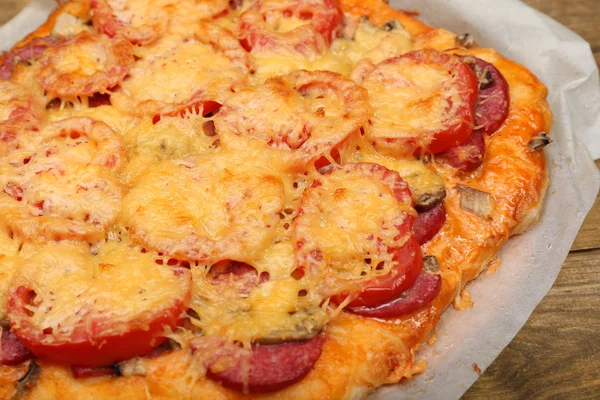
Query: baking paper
point(530, 262)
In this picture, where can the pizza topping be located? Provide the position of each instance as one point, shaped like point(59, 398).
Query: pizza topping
point(263, 368)
point(307, 27)
point(173, 78)
point(28, 380)
point(430, 264)
point(475, 201)
point(12, 351)
point(30, 51)
point(232, 273)
point(423, 291)
point(467, 156)
point(353, 232)
point(20, 112)
point(465, 40)
point(141, 22)
point(428, 223)
point(82, 372)
point(434, 93)
point(118, 304)
point(491, 108)
point(66, 190)
point(301, 116)
point(204, 211)
point(84, 65)
point(539, 141)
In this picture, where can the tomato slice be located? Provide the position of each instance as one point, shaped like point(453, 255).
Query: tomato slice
point(58, 77)
point(305, 26)
point(317, 111)
point(423, 101)
point(378, 290)
point(355, 220)
point(117, 304)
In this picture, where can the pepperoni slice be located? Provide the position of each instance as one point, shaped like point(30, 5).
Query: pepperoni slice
point(233, 273)
point(20, 111)
point(316, 112)
point(151, 89)
point(423, 291)
point(12, 351)
point(116, 306)
point(467, 156)
point(354, 221)
point(33, 49)
point(81, 372)
point(204, 211)
point(428, 223)
point(423, 103)
point(269, 367)
point(304, 26)
point(66, 190)
point(85, 64)
point(493, 100)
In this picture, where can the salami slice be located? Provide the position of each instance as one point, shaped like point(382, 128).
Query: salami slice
point(491, 107)
point(467, 156)
point(30, 51)
point(12, 351)
point(269, 367)
point(425, 288)
point(428, 223)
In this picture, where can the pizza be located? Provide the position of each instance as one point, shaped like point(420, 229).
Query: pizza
point(231, 199)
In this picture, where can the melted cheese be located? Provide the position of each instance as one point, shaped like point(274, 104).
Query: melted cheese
point(206, 198)
point(108, 290)
point(204, 210)
point(173, 71)
point(369, 43)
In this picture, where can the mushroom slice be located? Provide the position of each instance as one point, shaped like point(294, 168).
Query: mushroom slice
point(475, 201)
point(426, 186)
point(465, 40)
point(430, 264)
point(539, 141)
point(136, 366)
point(27, 381)
point(309, 322)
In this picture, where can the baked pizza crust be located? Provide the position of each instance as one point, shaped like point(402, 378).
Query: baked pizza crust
point(361, 354)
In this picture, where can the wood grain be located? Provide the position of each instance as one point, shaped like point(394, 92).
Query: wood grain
point(557, 353)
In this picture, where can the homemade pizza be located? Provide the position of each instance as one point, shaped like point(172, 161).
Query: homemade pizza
point(274, 199)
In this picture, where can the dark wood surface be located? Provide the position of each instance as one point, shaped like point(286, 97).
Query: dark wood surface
point(557, 353)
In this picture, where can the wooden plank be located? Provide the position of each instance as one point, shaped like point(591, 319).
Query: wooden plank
point(557, 353)
point(10, 8)
point(589, 235)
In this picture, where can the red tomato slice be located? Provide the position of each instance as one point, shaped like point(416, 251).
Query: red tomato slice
point(305, 26)
point(308, 104)
point(105, 314)
point(379, 290)
point(423, 102)
point(353, 220)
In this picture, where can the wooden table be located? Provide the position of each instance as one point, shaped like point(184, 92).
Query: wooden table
point(557, 353)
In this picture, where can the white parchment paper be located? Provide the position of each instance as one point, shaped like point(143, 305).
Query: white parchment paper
point(530, 262)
